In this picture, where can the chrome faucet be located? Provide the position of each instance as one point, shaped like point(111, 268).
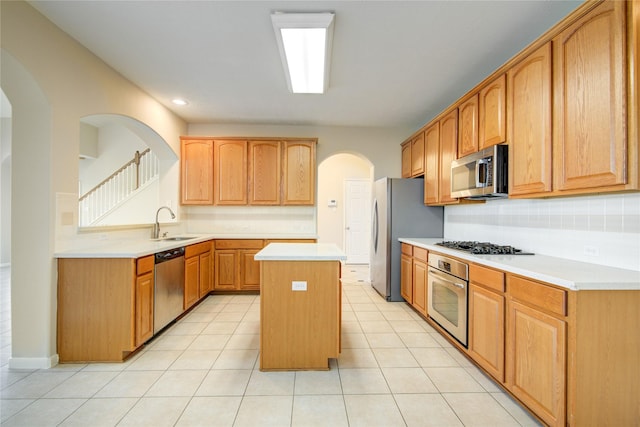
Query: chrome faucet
point(156, 226)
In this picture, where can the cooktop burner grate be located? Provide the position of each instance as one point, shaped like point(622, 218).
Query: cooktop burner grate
point(483, 248)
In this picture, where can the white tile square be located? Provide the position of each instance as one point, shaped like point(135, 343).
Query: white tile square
point(258, 411)
point(224, 382)
point(320, 411)
point(453, 380)
point(394, 358)
point(363, 381)
point(155, 411)
point(100, 412)
point(317, 382)
point(479, 409)
point(210, 412)
point(270, 384)
point(373, 410)
point(426, 410)
point(177, 383)
point(408, 380)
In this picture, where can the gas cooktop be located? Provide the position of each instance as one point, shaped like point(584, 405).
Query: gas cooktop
point(482, 248)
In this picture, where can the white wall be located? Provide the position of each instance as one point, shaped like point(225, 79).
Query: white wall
point(52, 82)
point(5, 189)
point(603, 229)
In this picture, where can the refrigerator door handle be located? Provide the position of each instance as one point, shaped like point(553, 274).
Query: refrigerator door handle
point(375, 227)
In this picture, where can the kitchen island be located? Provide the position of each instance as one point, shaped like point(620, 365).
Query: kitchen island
point(300, 305)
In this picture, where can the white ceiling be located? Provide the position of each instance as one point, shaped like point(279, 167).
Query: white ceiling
point(394, 63)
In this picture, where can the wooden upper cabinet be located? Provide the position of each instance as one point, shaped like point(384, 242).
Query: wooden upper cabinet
point(448, 150)
point(468, 126)
point(299, 172)
point(196, 171)
point(492, 113)
point(590, 144)
point(230, 168)
point(264, 172)
point(406, 159)
point(529, 123)
point(417, 155)
point(432, 164)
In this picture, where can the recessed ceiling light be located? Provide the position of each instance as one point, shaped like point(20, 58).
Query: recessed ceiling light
point(304, 41)
point(179, 101)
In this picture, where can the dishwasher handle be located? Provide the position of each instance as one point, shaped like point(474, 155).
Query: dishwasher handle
point(169, 255)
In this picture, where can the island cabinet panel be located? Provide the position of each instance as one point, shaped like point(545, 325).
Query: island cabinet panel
point(590, 143)
point(264, 172)
point(529, 124)
point(492, 113)
point(299, 330)
point(299, 172)
point(196, 171)
point(96, 309)
point(230, 169)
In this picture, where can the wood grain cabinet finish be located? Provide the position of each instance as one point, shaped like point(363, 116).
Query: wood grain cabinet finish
point(196, 171)
point(417, 155)
point(235, 268)
point(487, 319)
point(299, 175)
point(419, 275)
point(492, 113)
point(590, 141)
point(536, 360)
point(230, 172)
point(468, 126)
point(529, 124)
point(448, 153)
point(406, 159)
point(198, 277)
point(406, 273)
point(432, 164)
point(144, 299)
point(264, 172)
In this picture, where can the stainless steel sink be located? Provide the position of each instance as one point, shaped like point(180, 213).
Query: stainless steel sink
point(179, 238)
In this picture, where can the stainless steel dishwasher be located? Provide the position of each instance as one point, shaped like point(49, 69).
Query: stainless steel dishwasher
point(169, 287)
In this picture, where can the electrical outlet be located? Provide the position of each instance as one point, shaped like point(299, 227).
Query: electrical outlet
point(591, 250)
point(298, 285)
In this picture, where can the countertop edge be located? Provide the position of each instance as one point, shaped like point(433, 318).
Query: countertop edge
point(619, 279)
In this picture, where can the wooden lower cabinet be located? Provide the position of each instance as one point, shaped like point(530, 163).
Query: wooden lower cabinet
point(419, 274)
point(249, 270)
point(406, 273)
point(144, 299)
point(197, 270)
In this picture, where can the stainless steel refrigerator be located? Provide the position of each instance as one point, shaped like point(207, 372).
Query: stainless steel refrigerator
point(398, 211)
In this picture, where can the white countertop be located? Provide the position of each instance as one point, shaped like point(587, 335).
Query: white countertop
point(136, 248)
point(300, 252)
point(569, 274)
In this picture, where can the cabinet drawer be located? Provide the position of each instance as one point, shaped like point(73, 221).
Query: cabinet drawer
point(197, 249)
point(420, 253)
point(535, 293)
point(487, 277)
point(239, 244)
point(407, 249)
point(144, 265)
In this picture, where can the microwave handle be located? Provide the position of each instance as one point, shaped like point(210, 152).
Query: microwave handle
point(481, 164)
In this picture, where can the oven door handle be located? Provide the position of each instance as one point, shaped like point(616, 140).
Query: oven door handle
point(446, 278)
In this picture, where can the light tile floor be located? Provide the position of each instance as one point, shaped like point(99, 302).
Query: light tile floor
point(394, 370)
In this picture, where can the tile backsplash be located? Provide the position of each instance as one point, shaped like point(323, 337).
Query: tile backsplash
point(603, 229)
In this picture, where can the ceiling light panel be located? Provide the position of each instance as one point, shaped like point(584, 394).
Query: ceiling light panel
point(304, 41)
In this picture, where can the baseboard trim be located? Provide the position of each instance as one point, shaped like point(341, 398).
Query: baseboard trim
point(33, 362)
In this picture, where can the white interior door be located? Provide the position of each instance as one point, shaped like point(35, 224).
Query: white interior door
point(357, 211)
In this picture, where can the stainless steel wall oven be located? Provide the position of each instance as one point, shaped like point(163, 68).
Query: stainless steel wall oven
point(448, 281)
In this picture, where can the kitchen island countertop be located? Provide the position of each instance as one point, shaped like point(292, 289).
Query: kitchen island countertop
point(300, 252)
point(566, 273)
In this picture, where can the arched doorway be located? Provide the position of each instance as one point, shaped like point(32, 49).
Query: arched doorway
point(343, 209)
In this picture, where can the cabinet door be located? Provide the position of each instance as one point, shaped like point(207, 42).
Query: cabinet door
point(196, 172)
point(191, 281)
point(420, 286)
point(590, 144)
point(206, 278)
point(230, 172)
point(406, 159)
point(536, 361)
point(432, 164)
point(299, 172)
point(144, 308)
point(486, 330)
point(225, 270)
point(529, 118)
point(492, 113)
point(249, 270)
point(264, 172)
point(448, 150)
point(417, 155)
point(406, 278)
point(468, 123)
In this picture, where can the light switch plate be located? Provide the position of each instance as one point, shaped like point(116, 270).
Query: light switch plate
point(298, 285)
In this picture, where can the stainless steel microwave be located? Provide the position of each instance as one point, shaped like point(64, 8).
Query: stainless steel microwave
point(481, 175)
